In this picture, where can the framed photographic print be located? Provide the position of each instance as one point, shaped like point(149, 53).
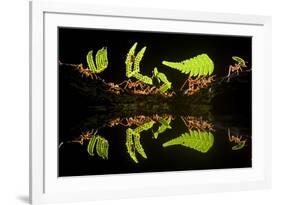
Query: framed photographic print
point(130, 102)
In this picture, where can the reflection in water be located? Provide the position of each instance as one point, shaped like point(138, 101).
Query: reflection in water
point(96, 142)
point(199, 136)
point(84, 136)
point(99, 144)
point(237, 140)
point(135, 120)
point(197, 123)
point(199, 140)
point(133, 140)
point(195, 133)
point(165, 124)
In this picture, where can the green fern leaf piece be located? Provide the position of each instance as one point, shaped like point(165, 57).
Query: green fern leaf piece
point(240, 145)
point(199, 140)
point(239, 60)
point(101, 60)
point(90, 61)
point(102, 147)
point(91, 145)
point(133, 140)
point(130, 60)
point(130, 145)
point(200, 65)
point(181, 66)
point(164, 88)
point(185, 66)
point(138, 60)
point(145, 126)
point(197, 64)
point(143, 78)
point(162, 77)
point(165, 124)
point(133, 65)
point(98, 144)
point(138, 146)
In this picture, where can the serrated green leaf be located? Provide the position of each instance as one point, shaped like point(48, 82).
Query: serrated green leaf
point(200, 65)
point(239, 60)
point(90, 61)
point(201, 141)
point(101, 60)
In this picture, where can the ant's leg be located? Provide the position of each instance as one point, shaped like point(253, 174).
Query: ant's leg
point(126, 82)
point(229, 70)
point(183, 84)
point(229, 136)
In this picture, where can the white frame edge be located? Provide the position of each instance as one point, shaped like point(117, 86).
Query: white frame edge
point(36, 96)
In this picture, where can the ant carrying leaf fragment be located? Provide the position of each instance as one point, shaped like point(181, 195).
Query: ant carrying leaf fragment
point(237, 67)
point(237, 140)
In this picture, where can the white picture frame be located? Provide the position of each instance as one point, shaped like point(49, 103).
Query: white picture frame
point(46, 187)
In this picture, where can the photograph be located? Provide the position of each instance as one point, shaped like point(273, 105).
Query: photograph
point(137, 101)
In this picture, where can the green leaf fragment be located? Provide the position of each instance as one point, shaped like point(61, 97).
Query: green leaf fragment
point(90, 61)
point(201, 141)
point(200, 65)
point(165, 124)
point(101, 60)
point(138, 60)
point(133, 143)
point(163, 78)
point(98, 144)
point(239, 60)
point(91, 145)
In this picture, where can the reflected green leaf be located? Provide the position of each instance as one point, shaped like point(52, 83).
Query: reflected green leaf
point(201, 141)
point(240, 145)
point(165, 124)
point(98, 144)
point(133, 143)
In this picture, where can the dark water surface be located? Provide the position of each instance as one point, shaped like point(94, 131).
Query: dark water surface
point(75, 160)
